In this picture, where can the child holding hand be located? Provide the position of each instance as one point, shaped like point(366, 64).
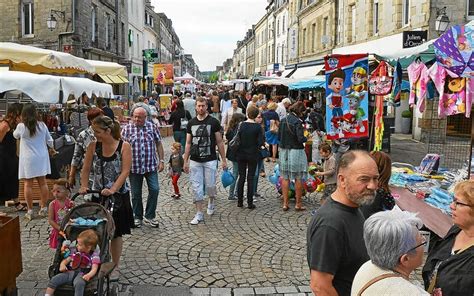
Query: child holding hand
point(58, 208)
point(80, 266)
point(176, 164)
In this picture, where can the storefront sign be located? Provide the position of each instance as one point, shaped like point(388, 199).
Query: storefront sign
point(414, 38)
point(163, 74)
point(67, 48)
point(276, 67)
point(136, 70)
point(293, 53)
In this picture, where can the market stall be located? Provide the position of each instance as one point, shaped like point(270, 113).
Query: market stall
point(48, 91)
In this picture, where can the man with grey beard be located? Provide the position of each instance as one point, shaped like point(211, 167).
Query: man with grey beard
point(335, 242)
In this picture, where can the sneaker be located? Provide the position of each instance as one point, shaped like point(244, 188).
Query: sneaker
point(43, 212)
point(197, 218)
point(151, 222)
point(232, 198)
point(211, 209)
point(138, 223)
point(251, 206)
point(28, 217)
point(177, 196)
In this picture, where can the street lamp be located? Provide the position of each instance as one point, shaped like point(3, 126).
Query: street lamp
point(442, 20)
point(51, 21)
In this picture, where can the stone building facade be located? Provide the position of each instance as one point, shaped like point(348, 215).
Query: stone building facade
point(92, 29)
point(261, 38)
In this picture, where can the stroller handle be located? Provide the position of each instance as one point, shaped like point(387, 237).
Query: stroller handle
point(87, 192)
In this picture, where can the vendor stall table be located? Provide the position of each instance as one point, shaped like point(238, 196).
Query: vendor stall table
point(433, 218)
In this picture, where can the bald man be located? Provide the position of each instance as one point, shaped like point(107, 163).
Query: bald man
point(145, 139)
point(335, 243)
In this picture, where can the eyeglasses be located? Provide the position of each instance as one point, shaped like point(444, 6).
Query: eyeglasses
point(458, 203)
point(417, 246)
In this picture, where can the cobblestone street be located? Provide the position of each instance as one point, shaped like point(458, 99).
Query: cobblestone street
point(236, 251)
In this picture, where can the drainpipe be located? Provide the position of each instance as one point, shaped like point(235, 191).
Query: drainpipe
point(73, 14)
point(336, 22)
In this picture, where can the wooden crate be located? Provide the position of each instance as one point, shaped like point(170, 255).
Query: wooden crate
point(10, 248)
point(36, 192)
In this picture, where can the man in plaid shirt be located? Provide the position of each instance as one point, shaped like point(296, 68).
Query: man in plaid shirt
point(145, 139)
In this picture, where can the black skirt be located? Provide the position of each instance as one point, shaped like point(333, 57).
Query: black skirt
point(122, 214)
point(9, 182)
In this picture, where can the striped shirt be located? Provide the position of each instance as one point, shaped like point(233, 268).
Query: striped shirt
point(143, 142)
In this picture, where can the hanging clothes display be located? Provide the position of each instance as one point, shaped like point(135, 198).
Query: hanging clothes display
point(397, 83)
point(418, 76)
point(380, 85)
point(451, 89)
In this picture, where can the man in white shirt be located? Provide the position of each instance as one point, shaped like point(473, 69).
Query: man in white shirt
point(189, 105)
point(228, 114)
point(282, 107)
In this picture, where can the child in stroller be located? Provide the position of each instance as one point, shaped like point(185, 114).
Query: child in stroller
point(81, 264)
point(84, 219)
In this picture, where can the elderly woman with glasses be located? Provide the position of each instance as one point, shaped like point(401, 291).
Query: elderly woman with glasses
point(449, 268)
point(395, 248)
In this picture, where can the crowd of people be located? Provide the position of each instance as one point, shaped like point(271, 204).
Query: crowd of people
point(357, 243)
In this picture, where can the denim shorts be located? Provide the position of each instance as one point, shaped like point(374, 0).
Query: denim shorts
point(203, 174)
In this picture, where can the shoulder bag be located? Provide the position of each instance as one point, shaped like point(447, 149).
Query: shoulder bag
point(234, 144)
point(376, 279)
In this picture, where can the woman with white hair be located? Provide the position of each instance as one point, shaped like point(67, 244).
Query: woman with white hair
point(395, 248)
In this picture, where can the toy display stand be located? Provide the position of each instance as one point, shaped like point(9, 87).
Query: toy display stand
point(10, 248)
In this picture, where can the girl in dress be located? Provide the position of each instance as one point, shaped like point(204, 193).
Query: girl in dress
point(58, 208)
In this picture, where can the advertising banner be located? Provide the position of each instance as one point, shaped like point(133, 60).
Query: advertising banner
point(163, 74)
point(346, 96)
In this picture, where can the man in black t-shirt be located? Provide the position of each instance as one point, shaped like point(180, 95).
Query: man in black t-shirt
point(200, 158)
point(335, 243)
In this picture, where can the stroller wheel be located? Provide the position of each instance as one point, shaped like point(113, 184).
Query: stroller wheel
point(114, 289)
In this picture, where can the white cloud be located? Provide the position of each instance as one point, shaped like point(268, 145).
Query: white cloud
point(210, 29)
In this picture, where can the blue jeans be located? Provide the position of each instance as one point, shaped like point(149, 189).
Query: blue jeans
point(73, 277)
point(180, 137)
point(257, 175)
point(136, 184)
point(235, 173)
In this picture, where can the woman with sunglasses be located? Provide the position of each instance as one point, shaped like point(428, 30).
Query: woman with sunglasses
point(395, 248)
point(109, 159)
point(449, 268)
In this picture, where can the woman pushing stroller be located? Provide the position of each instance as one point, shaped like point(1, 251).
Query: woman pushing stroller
point(109, 161)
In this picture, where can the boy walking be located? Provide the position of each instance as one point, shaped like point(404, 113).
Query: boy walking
point(329, 170)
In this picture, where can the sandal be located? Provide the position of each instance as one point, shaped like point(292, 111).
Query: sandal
point(20, 207)
point(285, 208)
point(299, 209)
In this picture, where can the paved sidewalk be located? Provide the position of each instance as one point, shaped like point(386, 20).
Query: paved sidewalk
point(234, 252)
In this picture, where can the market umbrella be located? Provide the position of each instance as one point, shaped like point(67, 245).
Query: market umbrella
point(453, 49)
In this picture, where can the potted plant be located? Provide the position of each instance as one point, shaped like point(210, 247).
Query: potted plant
point(406, 121)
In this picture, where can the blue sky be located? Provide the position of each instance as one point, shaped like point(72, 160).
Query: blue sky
point(210, 29)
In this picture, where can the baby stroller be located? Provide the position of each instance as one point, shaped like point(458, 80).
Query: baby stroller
point(99, 284)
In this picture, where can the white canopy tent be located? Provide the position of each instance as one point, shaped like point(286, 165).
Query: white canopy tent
point(46, 88)
point(186, 76)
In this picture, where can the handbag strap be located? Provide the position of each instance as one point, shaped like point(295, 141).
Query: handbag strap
point(376, 279)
